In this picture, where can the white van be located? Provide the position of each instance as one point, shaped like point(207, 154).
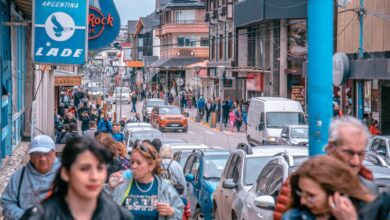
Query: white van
point(267, 116)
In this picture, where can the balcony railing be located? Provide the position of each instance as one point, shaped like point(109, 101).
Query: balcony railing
point(185, 22)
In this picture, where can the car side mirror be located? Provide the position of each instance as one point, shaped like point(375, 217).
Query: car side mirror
point(229, 184)
point(266, 202)
point(261, 126)
point(285, 136)
point(189, 178)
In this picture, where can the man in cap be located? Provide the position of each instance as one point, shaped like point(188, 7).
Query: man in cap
point(30, 184)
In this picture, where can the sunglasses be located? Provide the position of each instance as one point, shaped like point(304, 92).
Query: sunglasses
point(145, 149)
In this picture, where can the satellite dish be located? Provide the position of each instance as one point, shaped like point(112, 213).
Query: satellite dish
point(343, 3)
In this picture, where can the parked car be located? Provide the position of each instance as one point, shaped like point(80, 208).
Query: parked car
point(168, 118)
point(295, 135)
point(267, 116)
point(260, 200)
point(136, 126)
point(121, 94)
point(148, 106)
point(142, 135)
point(240, 173)
point(202, 172)
point(182, 151)
point(172, 141)
point(380, 145)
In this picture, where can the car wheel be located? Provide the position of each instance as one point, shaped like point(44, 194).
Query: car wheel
point(185, 129)
point(158, 127)
point(198, 215)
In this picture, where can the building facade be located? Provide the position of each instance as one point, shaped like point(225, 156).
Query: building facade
point(184, 41)
point(372, 71)
point(15, 74)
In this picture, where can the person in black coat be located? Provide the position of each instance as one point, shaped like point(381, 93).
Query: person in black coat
point(84, 121)
point(225, 112)
point(73, 133)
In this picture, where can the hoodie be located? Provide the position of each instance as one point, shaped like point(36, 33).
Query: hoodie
point(35, 187)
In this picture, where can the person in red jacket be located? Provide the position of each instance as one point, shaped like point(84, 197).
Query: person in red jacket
point(348, 138)
point(374, 130)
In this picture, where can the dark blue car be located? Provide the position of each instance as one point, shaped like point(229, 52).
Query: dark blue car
point(203, 171)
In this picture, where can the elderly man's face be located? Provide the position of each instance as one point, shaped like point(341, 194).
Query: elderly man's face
point(43, 162)
point(351, 147)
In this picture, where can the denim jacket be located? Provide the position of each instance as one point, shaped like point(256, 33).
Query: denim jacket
point(166, 194)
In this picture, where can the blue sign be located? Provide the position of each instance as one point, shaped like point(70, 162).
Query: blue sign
point(103, 23)
point(60, 32)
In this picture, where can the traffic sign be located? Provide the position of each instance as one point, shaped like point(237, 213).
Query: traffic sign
point(60, 32)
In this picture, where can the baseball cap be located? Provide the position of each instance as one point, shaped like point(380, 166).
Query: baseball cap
point(42, 144)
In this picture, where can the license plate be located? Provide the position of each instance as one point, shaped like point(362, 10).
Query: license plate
point(174, 125)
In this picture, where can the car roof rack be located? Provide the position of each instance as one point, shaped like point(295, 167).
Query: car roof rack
point(245, 147)
point(288, 157)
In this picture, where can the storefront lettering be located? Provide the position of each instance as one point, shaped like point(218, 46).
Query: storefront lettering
point(94, 20)
point(54, 52)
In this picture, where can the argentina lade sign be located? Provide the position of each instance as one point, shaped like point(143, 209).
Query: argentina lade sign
point(60, 32)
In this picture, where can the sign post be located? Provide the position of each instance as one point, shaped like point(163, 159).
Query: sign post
point(60, 32)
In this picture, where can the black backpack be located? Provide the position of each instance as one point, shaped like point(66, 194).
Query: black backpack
point(167, 174)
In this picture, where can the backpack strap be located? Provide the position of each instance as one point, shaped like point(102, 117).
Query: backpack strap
point(20, 186)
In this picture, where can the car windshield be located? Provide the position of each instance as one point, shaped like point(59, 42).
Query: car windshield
point(155, 103)
point(283, 119)
point(214, 165)
point(170, 111)
point(93, 89)
point(253, 167)
point(124, 90)
point(299, 133)
point(146, 136)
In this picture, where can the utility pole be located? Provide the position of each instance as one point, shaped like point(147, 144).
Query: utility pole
point(359, 83)
point(320, 85)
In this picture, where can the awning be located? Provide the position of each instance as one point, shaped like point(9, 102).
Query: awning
point(176, 62)
point(203, 65)
point(134, 64)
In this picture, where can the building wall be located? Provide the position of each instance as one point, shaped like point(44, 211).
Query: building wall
point(376, 27)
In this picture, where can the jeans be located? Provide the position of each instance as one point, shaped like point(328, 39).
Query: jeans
point(133, 108)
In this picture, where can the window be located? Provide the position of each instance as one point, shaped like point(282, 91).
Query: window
point(188, 166)
point(188, 41)
point(253, 166)
point(230, 45)
point(213, 48)
point(234, 169)
point(185, 16)
point(221, 38)
point(275, 182)
point(195, 168)
point(282, 119)
point(263, 178)
point(204, 41)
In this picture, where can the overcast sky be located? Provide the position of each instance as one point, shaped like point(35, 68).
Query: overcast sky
point(133, 9)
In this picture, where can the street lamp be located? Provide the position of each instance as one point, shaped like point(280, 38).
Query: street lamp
point(221, 71)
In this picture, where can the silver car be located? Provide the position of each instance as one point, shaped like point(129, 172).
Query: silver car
point(295, 135)
point(242, 169)
point(380, 145)
point(148, 106)
point(261, 198)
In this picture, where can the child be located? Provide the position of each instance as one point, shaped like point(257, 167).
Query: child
point(232, 119)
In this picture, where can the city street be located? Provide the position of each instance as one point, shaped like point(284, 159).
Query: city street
point(197, 132)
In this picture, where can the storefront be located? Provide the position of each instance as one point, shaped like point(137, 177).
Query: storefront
point(62, 82)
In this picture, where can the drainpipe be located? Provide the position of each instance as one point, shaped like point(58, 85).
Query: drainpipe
point(320, 85)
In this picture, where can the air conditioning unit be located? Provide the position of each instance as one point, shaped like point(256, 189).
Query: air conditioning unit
point(207, 17)
point(222, 11)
